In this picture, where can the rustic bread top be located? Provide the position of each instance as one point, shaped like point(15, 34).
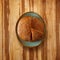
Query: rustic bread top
point(30, 28)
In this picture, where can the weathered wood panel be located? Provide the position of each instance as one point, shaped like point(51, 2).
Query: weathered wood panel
point(11, 48)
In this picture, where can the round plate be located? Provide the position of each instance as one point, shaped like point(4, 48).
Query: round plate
point(35, 43)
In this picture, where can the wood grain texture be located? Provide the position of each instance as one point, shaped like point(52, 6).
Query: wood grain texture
point(51, 19)
point(5, 9)
point(58, 51)
point(25, 49)
point(58, 45)
point(11, 48)
point(6, 26)
point(40, 10)
point(57, 28)
point(15, 48)
point(1, 30)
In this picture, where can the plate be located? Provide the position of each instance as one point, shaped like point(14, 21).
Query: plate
point(35, 43)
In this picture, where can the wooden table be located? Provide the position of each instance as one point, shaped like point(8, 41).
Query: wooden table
point(11, 48)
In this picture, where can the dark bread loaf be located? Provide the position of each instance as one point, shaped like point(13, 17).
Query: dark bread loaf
point(30, 28)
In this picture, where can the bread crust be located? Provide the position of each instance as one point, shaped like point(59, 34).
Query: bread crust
point(30, 28)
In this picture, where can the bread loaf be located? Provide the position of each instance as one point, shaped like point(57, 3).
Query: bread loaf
point(30, 28)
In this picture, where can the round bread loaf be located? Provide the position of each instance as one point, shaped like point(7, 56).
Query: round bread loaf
point(30, 28)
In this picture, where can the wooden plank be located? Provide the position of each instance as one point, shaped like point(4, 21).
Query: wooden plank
point(5, 4)
point(37, 52)
point(26, 49)
point(39, 7)
point(59, 42)
point(15, 47)
point(24, 7)
point(51, 20)
point(1, 30)
point(22, 11)
point(57, 29)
